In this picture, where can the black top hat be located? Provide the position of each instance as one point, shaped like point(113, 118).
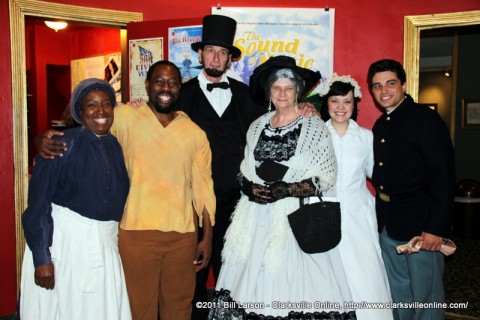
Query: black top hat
point(258, 79)
point(218, 30)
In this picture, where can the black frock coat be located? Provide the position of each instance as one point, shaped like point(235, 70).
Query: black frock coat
point(226, 135)
point(413, 156)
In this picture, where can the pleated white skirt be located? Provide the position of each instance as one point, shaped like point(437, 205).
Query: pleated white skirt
point(89, 278)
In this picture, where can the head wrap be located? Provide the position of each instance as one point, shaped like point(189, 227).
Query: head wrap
point(83, 89)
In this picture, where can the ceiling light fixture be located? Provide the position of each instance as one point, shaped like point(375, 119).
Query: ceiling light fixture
point(56, 25)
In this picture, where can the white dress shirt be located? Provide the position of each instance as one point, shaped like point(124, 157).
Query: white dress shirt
point(219, 98)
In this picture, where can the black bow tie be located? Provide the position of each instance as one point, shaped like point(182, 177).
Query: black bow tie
point(221, 85)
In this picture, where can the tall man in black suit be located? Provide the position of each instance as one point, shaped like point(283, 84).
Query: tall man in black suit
point(223, 108)
point(415, 179)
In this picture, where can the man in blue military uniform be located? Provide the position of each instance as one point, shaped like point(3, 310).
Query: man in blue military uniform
point(415, 180)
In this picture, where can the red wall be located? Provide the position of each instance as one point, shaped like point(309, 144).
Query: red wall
point(50, 47)
point(58, 48)
point(7, 219)
point(365, 31)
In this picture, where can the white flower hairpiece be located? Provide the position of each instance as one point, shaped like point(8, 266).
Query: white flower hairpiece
point(347, 79)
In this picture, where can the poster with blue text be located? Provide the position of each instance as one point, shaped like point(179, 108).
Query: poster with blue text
point(180, 52)
point(305, 34)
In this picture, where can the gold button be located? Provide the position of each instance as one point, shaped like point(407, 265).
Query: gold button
point(380, 164)
point(382, 141)
point(381, 187)
point(384, 197)
point(388, 118)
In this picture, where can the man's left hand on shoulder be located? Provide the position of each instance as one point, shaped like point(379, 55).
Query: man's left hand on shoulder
point(135, 103)
point(431, 242)
point(307, 109)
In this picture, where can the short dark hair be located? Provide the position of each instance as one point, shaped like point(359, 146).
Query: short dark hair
point(338, 88)
point(162, 63)
point(386, 65)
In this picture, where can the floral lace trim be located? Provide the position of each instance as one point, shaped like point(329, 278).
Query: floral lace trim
point(225, 308)
point(278, 144)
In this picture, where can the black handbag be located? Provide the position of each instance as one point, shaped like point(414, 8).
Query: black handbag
point(316, 226)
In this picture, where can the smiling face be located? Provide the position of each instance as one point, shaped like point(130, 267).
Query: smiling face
point(283, 93)
point(340, 108)
point(388, 90)
point(215, 61)
point(97, 112)
point(163, 88)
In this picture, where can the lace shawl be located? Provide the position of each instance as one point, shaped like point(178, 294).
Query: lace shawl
point(314, 157)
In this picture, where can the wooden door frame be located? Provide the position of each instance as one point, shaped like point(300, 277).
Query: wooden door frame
point(18, 10)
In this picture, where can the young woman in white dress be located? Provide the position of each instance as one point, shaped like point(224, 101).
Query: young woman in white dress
point(359, 247)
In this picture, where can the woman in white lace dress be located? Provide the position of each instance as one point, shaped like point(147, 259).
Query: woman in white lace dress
point(359, 246)
point(265, 275)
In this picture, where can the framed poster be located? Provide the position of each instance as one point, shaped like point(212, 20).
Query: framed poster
point(143, 53)
point(305, 34)
point(180, 52)
point(471, 113)
point(107, 67)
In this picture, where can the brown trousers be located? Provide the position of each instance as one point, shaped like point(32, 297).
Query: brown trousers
point(159, 273)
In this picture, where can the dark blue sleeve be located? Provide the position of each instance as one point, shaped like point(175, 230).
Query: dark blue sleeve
point(438, 155)
point(37, 219)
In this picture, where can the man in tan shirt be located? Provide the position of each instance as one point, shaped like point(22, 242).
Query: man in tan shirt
point(168, 159)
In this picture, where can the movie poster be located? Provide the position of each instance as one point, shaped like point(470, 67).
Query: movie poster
point(180, 52)
point(107, 67)
point(143, 53)
point(305, 34)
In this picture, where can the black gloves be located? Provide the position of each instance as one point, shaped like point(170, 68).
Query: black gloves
point(302, 189)
point(254, 191)
point(282, 189)
point(277, 190)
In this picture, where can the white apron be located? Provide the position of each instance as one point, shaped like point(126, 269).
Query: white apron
point(89, 279)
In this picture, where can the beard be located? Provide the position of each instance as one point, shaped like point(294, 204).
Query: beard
point(214, 72)
point(165, 110)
